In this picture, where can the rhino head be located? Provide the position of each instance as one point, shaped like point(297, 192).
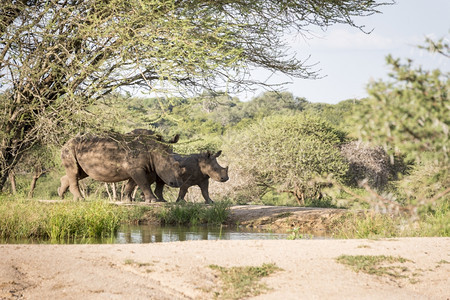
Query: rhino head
point(209, 166)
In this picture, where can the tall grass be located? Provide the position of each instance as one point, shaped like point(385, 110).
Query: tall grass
point(30, 219)
point(195, 213)
point(432, 222)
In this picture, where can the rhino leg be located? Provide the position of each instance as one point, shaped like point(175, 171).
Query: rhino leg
point(74, 187)
point(159, 190)
point(144, 182)
point(73, 173)
point(64, 186)
point(204, 186)
point(182, 193)
point(128, 190)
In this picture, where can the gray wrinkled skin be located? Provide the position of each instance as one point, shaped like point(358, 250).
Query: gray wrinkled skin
point(199, 168)
point(117, 157)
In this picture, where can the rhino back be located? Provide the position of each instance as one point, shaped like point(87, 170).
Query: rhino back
point(110, 159)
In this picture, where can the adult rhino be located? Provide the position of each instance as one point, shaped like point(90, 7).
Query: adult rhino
point(198, 169)
point(117, 157)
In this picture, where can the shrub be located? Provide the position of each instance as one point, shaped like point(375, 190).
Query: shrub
point(287, 153)
point(366, 163)
point(199, 144)
point(426, 180)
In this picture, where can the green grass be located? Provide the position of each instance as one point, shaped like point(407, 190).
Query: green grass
point(64, 221)
point(22, 219)
point(367, 225)
point(195, 213)
point(433, 221)
point(241, 282)
point(379, 265)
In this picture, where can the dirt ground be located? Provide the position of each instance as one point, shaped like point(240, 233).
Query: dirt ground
point(180, 270)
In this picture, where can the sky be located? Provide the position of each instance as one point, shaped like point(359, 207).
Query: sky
point(349, 59)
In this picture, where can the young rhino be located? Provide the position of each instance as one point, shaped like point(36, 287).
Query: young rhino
point(199, 168)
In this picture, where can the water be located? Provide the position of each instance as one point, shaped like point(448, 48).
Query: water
point(143, 234)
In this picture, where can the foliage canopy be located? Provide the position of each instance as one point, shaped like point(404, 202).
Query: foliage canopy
point(409, 114)
point(57, 57)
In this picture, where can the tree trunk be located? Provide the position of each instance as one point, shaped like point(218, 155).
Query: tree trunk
point(300, 197)
point(114, 192)
point(6, 165)
point(122, 190)
point(12, 147)
point(12, 180)
point(133, 196)
point(32, 186)
point(38, 172)
point(107, 191)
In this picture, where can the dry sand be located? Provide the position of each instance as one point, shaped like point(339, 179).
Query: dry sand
point(180, 270)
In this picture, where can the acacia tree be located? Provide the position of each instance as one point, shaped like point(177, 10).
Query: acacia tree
point(59, 56)
point(410, 114)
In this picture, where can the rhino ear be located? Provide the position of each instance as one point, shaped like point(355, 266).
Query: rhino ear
point(217, 154)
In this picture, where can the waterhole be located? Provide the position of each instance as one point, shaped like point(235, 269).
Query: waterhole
point(143, 234)
point(131, 234)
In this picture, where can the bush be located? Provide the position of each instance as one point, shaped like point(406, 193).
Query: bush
point(426, 180)
point(366, 163)
point(287, 153)
point(201, 144)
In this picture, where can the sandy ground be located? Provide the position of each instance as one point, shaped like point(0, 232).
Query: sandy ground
point(180, 270)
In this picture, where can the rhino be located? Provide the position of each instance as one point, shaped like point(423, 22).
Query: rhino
point(119, 157)
point(199, 168)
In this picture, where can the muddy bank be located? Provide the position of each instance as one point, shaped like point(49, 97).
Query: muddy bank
point(306, 219)
point(279, 218)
